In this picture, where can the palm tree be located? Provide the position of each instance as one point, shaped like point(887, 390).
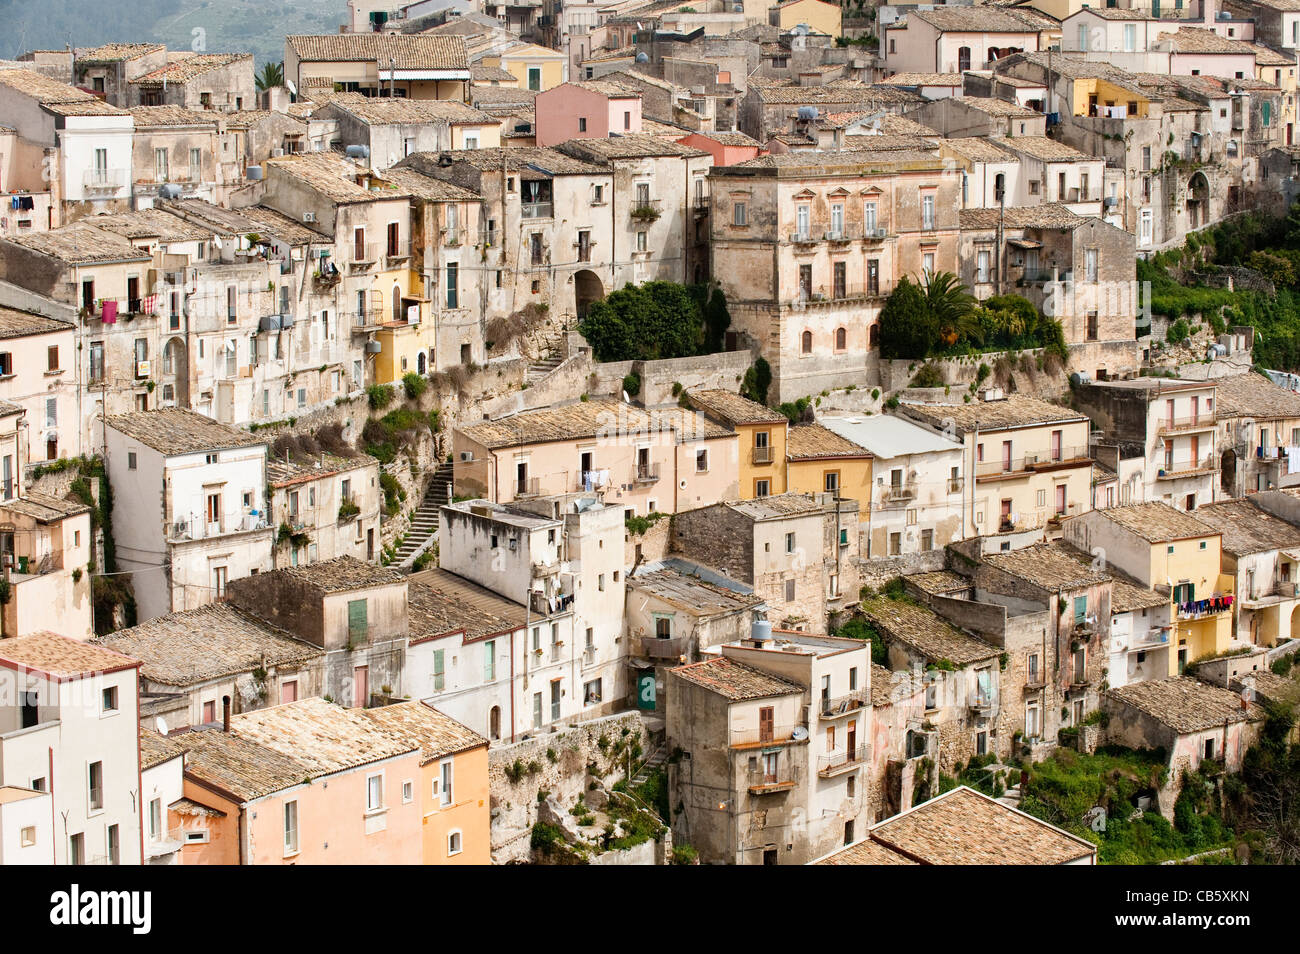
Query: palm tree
point(951, 307)
point(272, 75)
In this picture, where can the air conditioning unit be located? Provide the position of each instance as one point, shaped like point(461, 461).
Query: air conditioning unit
point(880, 233)
point(466, 455)
point(309, 216)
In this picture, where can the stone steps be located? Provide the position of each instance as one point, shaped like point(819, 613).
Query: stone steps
point(424, 524)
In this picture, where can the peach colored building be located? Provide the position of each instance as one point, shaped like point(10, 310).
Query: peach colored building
point(45, 545)
point(303, 783)
point(456, 819)
point(590, 109)
point(726, 148)
point(664, 460)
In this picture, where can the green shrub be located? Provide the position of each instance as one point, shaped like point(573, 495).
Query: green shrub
point(380, 396)
point(414, 385)
point(632, 384)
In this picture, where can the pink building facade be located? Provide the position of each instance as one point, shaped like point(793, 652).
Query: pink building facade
point(592, 109)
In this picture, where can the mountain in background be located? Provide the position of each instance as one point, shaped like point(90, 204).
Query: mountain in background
point(226, 26)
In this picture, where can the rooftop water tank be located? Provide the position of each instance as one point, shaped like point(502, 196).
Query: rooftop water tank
point(253, 173)
point(358, 151)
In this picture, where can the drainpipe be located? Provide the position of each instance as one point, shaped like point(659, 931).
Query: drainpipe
point(971, 477)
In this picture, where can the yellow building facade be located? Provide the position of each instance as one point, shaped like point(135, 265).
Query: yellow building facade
point(820, 461)
point(761, 434)
point(535, 67)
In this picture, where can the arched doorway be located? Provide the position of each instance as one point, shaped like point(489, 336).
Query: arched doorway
point(1198, 200)
point(175, 391)
point(587, 288)
point(397, 303)
point(494, 723)
point(1228, 472)
point(420, 364)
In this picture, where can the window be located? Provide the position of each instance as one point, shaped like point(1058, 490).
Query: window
point(453, 843)
point(490, 661)
point(95, 786)
point(453, 287)
point(291, 827)
point(789, 591)
point(738, 214)
point(762, 488)
point(28, 836)
point(591, 692)
point(446, 778)
point(982, 266)
point(789, 543)
point(831, 481)
point(927, 264)
point(375, 793)
point(702, 461)
point(641, 245)
point(806, 343)
point(109, 700)
point(927, 212)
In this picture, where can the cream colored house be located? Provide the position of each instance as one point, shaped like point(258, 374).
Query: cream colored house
point(645, 462)
point(535, 67)
point(1027, 459)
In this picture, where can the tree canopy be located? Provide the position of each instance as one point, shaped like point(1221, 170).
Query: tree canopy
point(656, 320)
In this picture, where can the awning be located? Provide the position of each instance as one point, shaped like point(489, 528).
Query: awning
point(1024, 243)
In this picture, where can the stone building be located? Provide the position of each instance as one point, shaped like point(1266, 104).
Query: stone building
point(395, 128)
point(38, 372)
point(1257, 423)
point(799, 552)
point(106, 70)
point(1027, 460)
point(190, 661)
point(808, 246)
point(960, 673)
point(356, 612)
point(1192, 721)
point(421, 65)
point(324, 507)
point(215, 81)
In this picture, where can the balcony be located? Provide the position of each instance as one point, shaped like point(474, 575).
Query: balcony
point(1151, 639)
point(897, 494)
point(846, 704)
point(761, 455)
point(772, 783)
point(1175, 469)
point(778, 735)
point(982, 705)
point(1203, 608)
point(671, 648)
point(103, 180)
point(366, 321)
point(536, 210)
point(844, 234)
point(803, 238)
point(1280, 592)
point(956, 485)
point(589, 656)
point(646, 210)
point(875, 234)
point(1034, 680)
point(828, 766)
point(528, 487)
point(364, 254)
point(397, 252)
point(836, 294)
point(645, 473)
point(1181, 425)
point(1031, 463)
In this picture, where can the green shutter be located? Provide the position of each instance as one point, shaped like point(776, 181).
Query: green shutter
point(357, 623)
point(438, 678)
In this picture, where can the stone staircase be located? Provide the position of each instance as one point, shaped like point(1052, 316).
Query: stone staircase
point(425, 522)
point(657, 758)
point(542, 367)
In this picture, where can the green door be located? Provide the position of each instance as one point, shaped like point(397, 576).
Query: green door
point(357, 624)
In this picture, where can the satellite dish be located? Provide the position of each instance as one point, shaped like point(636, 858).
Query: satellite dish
point(799, 733)
point(292, 89)
point(160, 725)
point(626, 399)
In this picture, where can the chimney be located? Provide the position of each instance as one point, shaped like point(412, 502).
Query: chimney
point(225, 713)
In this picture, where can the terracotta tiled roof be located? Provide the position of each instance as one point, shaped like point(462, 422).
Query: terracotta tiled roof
point(1246, 528)
point(940, 582)
point(812, 441)
point(440, 602)
point(997, 107)
point(590, 419)
point(732, 408)
point(81, 243)
point(776, 506)
point(1045, 149)
point(977, 149)
point(1183, 704)
point(379, 111)
point(1268, 57)
point(1157, 522)
point(1253, 395)
point(155, 749)
point(1200, 40)
point(321, 735)
point(925, 632)
point(342, 574)
point(179, 72)
point(489, 74)
point(923, 79)
point(16, 323)
point(194, 646)
point(963, 827)
point(427, 187)
point(280, 473)
point(1126, 593)
point(115, 52)
point(695, 595)
point(61, 657)
point(628, 147)
point(257, 218)
point(421, 51)
point(333, 176)
point(438, 735)
point(175, 430)
point(153, 224)
point(1015, 410)
point(731, 138)
point(733, 680)
point(865, 852)
point(538, 159)
point(148, 116)
point(239, 766)
point(874, 96)
point(43, 507)
point(1046, 567)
